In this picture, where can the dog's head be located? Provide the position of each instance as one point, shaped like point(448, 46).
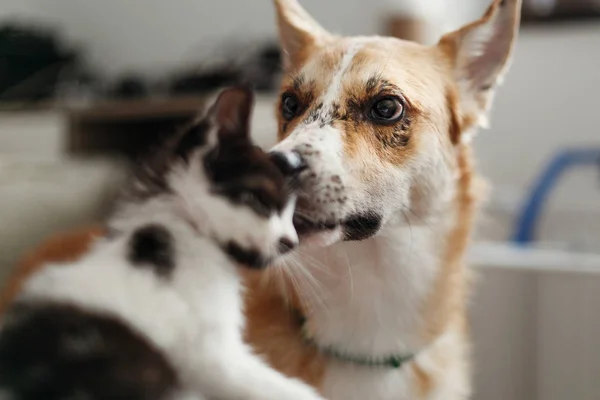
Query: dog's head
point(371, 123)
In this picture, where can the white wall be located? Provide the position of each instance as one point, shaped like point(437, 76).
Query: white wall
point(550, 101)
point(156, 34)
point(536, 334)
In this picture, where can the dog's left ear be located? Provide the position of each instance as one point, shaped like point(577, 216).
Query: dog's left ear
point(480, 54)
point(299, 33)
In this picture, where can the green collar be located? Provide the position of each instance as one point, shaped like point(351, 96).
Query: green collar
point(393, 361)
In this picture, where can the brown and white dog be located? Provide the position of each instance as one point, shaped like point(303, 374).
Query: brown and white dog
point(379, 130)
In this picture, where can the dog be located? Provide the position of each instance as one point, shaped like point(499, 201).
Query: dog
point(378, 130)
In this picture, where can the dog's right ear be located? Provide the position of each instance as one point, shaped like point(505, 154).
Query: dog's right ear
point(299, 33)
point(480, 55)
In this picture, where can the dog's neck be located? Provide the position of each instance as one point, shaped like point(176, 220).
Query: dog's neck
point(378, 297)
point(367, 297)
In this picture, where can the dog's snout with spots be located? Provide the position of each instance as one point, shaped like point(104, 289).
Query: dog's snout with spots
point(313, 156)
point(290, 163)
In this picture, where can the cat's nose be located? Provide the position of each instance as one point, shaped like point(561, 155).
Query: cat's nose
point(286, 245)
point(291, 163)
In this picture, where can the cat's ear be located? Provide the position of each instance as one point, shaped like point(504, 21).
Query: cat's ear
point(228, 117)
point(199, 135)
point(231, 112)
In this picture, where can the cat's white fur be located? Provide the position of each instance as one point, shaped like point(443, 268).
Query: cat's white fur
point(195, 316)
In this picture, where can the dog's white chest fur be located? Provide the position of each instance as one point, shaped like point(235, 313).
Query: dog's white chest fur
point(367, 299)
point(353, 383)
point(349, 382)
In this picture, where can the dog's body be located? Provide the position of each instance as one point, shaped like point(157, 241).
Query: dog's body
point(377, 308)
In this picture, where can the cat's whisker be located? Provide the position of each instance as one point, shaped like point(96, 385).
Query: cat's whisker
point(300, 273)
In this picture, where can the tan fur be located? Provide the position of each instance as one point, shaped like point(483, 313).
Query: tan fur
point(63, 247)
point(414, 66)
point(274, 330)
point(423, 384)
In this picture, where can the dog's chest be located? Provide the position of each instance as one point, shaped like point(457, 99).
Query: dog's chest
point(366, 298)
point(439, 372)
point(344, 382)
point(359, 383)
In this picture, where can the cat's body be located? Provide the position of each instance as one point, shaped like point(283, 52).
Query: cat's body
point(154, 311)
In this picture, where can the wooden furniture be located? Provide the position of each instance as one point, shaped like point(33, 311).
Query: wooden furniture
point(126, 127)
point(407, 28)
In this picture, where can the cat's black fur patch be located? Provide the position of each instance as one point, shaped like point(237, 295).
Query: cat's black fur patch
point(58, 352)
point(246, 257)
point(236, 168)
point(152, 246)
point(150, 175)
point(193, 138)
point(245, 175)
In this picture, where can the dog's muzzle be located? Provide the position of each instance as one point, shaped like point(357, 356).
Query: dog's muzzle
point(321, 208)
point(290, 163)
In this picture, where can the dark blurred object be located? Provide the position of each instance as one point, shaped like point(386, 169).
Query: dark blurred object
point(32, 63)
point(258, 69)
point(203, 81)
point(130, 87)
point(35, 66)
point(560, 10)
point(264, 72)
point(407, 28)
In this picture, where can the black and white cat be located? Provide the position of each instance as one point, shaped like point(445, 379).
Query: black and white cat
point(154, 311)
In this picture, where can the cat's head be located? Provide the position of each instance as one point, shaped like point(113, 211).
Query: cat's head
point(227, 185)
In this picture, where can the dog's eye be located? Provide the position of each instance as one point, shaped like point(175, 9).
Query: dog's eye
point(386, 110)
point(289, 106)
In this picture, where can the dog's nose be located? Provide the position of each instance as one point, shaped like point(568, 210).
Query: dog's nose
point(290, 163)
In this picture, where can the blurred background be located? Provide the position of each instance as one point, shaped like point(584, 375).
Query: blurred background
point(86, 86)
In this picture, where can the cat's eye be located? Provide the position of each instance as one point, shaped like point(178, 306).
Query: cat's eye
point(256, 200)
point(290, 106)
point(386, 110)
point(247, 197)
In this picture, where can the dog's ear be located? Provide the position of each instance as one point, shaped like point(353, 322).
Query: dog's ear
point(299, 33)
point(480, 54)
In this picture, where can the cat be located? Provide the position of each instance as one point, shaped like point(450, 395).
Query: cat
point(154, 311)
